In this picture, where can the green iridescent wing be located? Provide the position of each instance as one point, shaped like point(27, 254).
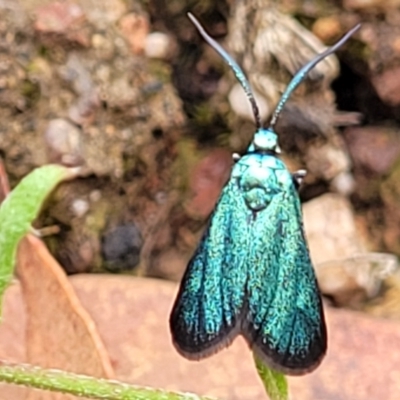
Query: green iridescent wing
point(252, 275)
point(285, 324)
point(206, 313)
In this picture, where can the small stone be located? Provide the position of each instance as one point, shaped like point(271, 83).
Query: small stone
point(396, 45)
point(343, 183)
point(80, 207)
point(387, 85)
point(158, 45)
point(375, 148)
point(359, 4)
point(76, 72)
point(331, 229)
point(327, 161)
point(83, 111)
point(135, 29)
point(353, 280)
point(95, 196)
point(367, 4)
point(121, 247)
point(327, 28)
point(104, 13)
point(64, 142)
point(390, 193)
point(161, 197)
point(64, 19)
point(206, 183)
point(241, 106)
point(57, 17)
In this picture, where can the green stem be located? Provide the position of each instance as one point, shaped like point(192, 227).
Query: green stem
point(274, 382)
point(81, 385)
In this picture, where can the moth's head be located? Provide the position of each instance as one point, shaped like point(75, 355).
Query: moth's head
point(265, 140)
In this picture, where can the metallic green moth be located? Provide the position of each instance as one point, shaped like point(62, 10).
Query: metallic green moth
point(251, 274)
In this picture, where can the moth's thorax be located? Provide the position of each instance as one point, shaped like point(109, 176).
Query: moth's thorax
point(260, 177)
point(265, 140)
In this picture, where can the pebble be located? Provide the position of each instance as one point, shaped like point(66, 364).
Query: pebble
point(103, 13)
point(241, 106)
point(158, 45)
point(57, 16)
point(387, 85)
point(370, 4)
point(390, 195)
point(375, 148)
point(346, 271)
point(66, 19)
point(79, 207)
point(327, 28)
point(330, 228)
point(352, 281)
point(63, 140)
point(135, 29)
point(343, 183)
point(82, 112)
point(327, 161)
point(206, 182)
point(121, 247)
point(95, 195)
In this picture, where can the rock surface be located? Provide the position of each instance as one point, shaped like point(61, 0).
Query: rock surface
point(132, 317)
point(331, 229)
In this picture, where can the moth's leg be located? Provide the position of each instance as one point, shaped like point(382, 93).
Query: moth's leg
point(236, 157)
point(298, 177)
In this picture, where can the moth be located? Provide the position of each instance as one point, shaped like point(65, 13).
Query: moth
point(251, 274)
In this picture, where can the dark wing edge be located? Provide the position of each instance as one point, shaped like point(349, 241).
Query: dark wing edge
point(299, 364)
point(285, 323)
point(206, 314)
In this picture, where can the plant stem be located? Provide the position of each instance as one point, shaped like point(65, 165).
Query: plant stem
point(83, 386)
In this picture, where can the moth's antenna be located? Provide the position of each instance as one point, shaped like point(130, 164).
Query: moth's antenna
point(234, 65)
point(301, 74)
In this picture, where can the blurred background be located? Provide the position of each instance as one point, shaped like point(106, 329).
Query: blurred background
point(129, 91)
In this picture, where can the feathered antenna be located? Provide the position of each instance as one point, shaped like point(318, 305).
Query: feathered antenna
point(297, 79)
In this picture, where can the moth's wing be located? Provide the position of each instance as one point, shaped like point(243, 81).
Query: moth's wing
point(206, 313)
point(285, 323)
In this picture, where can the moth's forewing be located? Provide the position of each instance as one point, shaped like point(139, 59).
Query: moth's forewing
point(206, 313)
point(285, 322)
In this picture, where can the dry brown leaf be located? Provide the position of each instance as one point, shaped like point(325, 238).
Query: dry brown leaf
point(4, 185)
point(12, 338)
point(59, 332)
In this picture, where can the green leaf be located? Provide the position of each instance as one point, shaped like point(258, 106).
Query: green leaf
point(20, 208)
point(274, 382)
